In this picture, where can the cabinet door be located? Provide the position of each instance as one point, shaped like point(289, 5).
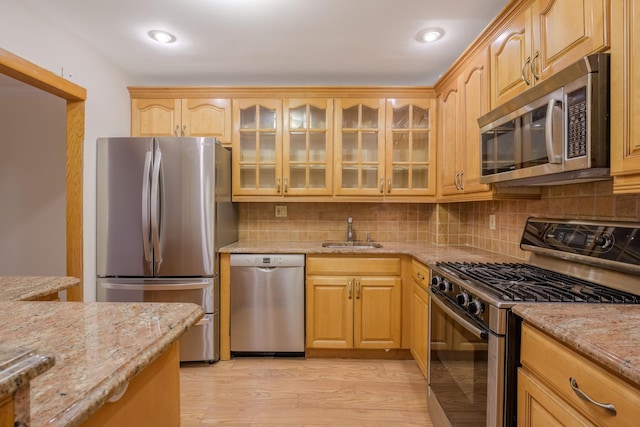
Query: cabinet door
point(410, 148)
point(359, 147)
point(511, 60)
point(330, 311)
point(420, 326)
point(257, 147)
point(448, 145)
point(308, 147)
point(538, 406)
point(565, 31)
point(377, 312)
point(474, 85)
point(207, 117)
point(155, 117)
point(625, 89)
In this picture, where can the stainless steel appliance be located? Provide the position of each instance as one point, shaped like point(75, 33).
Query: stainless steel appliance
point(474, 338)
point(554, 133)
point(163, 209)
point(267, 303)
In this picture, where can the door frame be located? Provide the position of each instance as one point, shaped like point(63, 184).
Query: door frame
point(29, 73)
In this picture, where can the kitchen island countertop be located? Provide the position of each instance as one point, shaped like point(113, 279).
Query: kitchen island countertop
point(26, 288)
point(98, 348)
point(605, 333)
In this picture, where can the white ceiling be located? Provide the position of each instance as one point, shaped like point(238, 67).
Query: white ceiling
point(275, 42)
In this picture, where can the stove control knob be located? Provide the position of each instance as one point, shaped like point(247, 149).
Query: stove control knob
point(442, 284)
point(463, 299)
point(475, 307)
point(605, 241)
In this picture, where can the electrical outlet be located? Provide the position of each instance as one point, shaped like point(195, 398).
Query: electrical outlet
point(281, 211)
point(492, 222)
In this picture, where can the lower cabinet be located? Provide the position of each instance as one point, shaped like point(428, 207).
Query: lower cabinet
point(353, 302)
point(420, 315)
point(558, 386)
point(6, 411)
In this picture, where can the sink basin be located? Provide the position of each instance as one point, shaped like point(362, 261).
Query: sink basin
point(352, 245)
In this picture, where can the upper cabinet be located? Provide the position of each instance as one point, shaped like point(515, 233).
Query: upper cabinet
point(182, 117)
point(410, 147)
point(460, 104)
point(625, 92)
point(359, 147)
point(543, 38)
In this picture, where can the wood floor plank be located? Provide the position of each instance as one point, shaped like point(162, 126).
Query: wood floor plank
point(303, 392)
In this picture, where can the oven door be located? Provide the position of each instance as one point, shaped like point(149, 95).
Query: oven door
point(465, 379)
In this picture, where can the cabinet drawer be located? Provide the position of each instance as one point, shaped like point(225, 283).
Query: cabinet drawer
point(420, 273)
point(555, 364)
point(353, 266)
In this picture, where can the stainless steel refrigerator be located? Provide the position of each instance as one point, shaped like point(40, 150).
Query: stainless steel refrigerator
point(163, 210)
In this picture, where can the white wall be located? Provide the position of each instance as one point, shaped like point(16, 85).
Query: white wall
point(32, 184)
point(25, 33)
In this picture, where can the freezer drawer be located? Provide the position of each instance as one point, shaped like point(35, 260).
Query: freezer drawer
point(196, 291)
point(199, 342)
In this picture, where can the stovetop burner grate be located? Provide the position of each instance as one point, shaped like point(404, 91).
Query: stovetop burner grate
point(523, 282)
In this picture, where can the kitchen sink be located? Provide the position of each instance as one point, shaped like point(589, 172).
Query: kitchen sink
point(353, 245)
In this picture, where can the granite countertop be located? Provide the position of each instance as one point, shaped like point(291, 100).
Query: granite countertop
point(605, 333)
point(426, 253)
point(98, 347)
point(25, 288)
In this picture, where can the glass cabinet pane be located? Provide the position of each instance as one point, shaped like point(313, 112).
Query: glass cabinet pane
point(247, 177)
point(267, 175)
point(267, 147)
point(420, 118)
point(349, 177)
point(350, 117)
point(369, 117)
point(369, 177)
point(298, 147)
point(401, 177)
point(317, 177)
point(297, 176)
point(400, 118)
point(369, 146)
point(248, 118)
point(400, 148)
point(420, 147)
point(248, 147)
point(317, 147)
point(267, 118)
point(349, 146)
point(317, 118)
point(298, 118)
point(420, 177)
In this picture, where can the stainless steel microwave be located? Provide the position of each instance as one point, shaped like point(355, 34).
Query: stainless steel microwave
point(556, 132)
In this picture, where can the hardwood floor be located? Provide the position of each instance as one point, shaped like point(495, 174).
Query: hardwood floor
point(303, 392)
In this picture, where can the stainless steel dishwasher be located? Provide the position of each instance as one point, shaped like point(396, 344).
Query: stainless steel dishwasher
point(267, 304)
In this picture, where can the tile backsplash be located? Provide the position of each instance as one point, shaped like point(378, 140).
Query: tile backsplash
point(443, 223)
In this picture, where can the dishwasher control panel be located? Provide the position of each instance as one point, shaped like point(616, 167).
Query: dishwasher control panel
point(267, 260)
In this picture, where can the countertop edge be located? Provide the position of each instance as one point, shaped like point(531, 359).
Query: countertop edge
point(24, 369)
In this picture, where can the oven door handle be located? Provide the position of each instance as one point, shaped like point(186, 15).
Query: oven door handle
point(478, 332)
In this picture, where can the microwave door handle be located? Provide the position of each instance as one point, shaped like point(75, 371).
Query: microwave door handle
point(553, 157)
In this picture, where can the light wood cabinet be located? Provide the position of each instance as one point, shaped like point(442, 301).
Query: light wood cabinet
point(625, 93)
point(460, 104)
point(182, 117)
point(543, 38)
point(353, 302)
point(545, 387)
point(7, 413)
point(359, 147)
point(410, 167)
point(420, 315)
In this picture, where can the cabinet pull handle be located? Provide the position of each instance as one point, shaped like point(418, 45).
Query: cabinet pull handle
point(350, 288)
point(524, 76)
point(177, 129)
point(388, 185)
point(606, 406)
point(382, 185)
point(278, 185)
point(420, 276)
point(460, 180)
point(184, 129)
point(533, 66)
point(286, 184)
point(357, 289)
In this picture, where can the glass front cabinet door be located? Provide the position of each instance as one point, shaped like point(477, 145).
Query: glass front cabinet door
point(410, 148)
point(257, 147)
point(307, 148)
point(359, 147)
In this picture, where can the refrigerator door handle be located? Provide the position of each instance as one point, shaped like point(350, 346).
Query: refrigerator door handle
point(152, 287)
point(155, 208)
point(145, 208)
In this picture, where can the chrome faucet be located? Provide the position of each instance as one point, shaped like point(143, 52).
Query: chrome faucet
point(349, 229)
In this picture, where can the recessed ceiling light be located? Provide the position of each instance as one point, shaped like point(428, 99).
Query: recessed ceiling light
point(429, 35)
point(162, 36)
